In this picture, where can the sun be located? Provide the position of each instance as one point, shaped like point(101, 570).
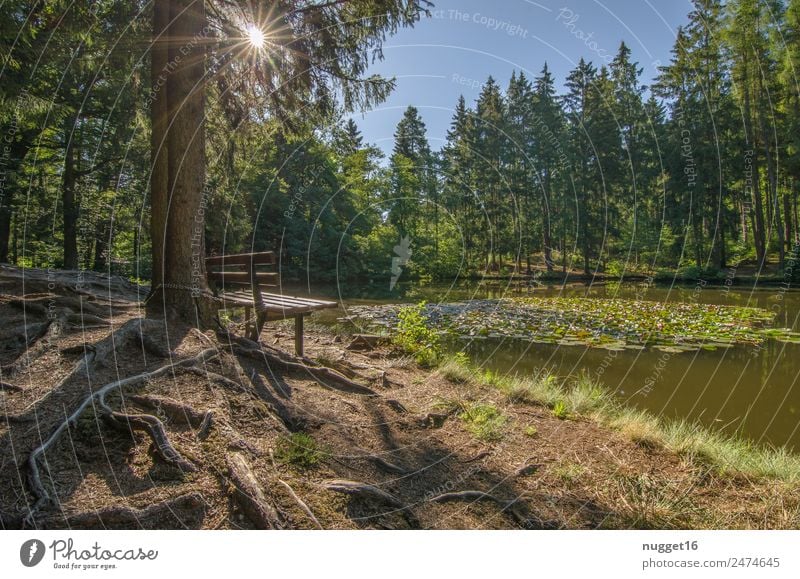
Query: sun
point(255, 36)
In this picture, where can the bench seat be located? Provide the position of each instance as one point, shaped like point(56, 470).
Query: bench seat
point(284, 306)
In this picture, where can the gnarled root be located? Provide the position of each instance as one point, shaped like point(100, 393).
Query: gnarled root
point(300, 503)
point(509, 506)
point(324, 376)
point(175, 411)
point(6, 387)
point(155, 429)
point(249, 495)
point(363, 490)
point(150, 424)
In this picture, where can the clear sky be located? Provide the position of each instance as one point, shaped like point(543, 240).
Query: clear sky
point(464, 41)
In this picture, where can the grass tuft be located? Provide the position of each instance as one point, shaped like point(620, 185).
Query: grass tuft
point(725, 454)
point(299, 450)
point(484, 421)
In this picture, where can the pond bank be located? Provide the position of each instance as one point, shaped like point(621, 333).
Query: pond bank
point(570, 441)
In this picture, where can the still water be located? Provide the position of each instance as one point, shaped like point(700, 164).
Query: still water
point(751, 390)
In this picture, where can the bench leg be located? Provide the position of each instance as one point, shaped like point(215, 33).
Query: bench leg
point(258, 325)
point(298, 335)
point(247, 322)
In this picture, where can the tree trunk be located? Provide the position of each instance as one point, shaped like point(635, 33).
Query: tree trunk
point(179, 210)
point(159, 175)
point(547, 241)
point(68, 197)
point(5, 227)
point(16, 154)
point(787, 216)
point(758, 210)
point(774, 204)
point(101, 246)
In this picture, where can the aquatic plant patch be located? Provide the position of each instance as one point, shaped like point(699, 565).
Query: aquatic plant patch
point(613, 324)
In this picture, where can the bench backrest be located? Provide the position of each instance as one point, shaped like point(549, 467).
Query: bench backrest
point(243, 269)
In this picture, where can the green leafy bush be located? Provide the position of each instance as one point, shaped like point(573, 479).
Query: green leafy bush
point(414, 337)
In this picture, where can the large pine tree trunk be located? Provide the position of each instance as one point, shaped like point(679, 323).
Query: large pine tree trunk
point(68, 198)
point(179, 218)
point(5, 228)
point(16, 153)
point(758, 209)
point(159, 174)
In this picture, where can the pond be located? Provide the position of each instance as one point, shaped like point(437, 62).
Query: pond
point(749, 389)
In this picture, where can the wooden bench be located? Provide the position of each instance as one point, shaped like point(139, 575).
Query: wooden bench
point(247, 271)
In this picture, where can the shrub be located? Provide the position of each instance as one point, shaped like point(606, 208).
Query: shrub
point(298, 449)
point(414, 337)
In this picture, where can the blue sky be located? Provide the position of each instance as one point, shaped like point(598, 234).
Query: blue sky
point(464, 41)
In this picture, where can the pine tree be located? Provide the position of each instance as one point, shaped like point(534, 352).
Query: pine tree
point(459, 174)
point(547, 151)
point(491, 146)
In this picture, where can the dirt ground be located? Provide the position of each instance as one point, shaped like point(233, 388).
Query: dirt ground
point(390, 450)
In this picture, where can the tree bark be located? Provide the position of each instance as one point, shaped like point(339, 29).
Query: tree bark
point(68, 197)
point(159, 174)
point(179, 210)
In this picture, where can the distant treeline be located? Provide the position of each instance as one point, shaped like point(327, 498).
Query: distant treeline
point(698, 170)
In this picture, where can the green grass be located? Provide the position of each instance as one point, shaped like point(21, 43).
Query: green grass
point(568, 472)
point(457, 371)
point(560, 410)
point(299, 450)
point(581, 396)
point(651, 503)
point(484, 421)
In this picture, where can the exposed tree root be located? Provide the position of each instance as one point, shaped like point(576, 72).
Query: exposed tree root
point(9, 522)
point(477, 457)
point(249, 495)
point(387, 466)
point(175, 411)
point(150, 424)
point(324, 376)
point(217, 378)
point(155, 429)
point(6, 387)
point(397, 406)
point(434, 419)
point(32, 340)
point(100, 352)
point(365, 491)
point(303, 506)
point(128, 516)
point(71, 283)
point(509, 506)
point(86, 321)
point(205, 427)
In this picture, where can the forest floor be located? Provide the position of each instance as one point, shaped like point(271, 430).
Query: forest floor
point(110, 420)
